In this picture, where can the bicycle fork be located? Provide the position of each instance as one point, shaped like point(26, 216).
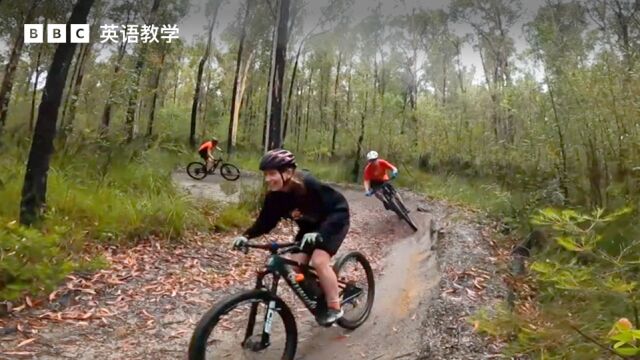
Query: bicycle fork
point(265, 337)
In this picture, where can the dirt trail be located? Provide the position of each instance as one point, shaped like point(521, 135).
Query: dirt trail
point(406, 275)
point(146, 304)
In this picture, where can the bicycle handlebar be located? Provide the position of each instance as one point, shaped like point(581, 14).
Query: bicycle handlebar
point(272, 247)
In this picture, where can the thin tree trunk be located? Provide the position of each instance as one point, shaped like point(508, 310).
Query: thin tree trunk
point(274, 138)
point(356, 165)
point(238, 101)
point(156, 85)
point(267, 110)
point(335, 107)
point(12, 65)
point(35, 180)
point(35, 88)
point(298, 115)
point(70, 83)
point(444, 82)
point(133, 98)
point(203, 61)
point(175, 85)
point(235, 99)
point(306, 121)
point(106, 113)
point(563, 153)
point(203, 118)
point(76, 89)
point(293, 80)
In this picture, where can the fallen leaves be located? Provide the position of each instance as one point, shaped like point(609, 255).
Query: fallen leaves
point(25, 342)
point(150, 280)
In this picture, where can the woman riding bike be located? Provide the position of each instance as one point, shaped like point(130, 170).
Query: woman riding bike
point(321, 213)
point(206, 150)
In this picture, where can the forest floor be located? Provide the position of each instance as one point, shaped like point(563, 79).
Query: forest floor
point(146, 303)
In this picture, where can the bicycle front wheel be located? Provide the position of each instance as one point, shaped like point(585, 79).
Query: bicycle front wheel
point(229, 172)
point(402, 211)
point(197, 170)
point(251, 325)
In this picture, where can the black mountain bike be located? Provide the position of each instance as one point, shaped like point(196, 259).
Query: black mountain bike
point(198, 170)
point(258, 324)
point(393, 202)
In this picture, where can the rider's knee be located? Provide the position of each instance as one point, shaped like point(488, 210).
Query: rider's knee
point(320, 259)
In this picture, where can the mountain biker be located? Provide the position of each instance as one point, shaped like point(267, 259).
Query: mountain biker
point(321, 213)
point(206, 151)
point(375, 175)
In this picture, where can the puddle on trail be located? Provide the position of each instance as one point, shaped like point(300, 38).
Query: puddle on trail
point(215, 188)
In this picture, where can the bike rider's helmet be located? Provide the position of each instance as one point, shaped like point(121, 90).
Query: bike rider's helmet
point(278, 159)
point(372, 155)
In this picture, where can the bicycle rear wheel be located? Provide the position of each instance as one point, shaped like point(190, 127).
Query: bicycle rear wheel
point(357, 288)
point(197, 170)
point(235, 328)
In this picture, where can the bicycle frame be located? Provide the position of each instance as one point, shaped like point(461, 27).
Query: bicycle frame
point(387, 191)
point(277, 265)
point(214, 166)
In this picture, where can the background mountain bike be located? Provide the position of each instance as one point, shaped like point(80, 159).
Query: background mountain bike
point(393, 202)
point(265, 325)
point(198, 170)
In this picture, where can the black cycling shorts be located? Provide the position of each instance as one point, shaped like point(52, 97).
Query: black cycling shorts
point(204, 154)
point(375, 185)
point(338, 228)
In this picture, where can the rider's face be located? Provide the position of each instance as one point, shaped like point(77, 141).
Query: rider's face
point(274, 179)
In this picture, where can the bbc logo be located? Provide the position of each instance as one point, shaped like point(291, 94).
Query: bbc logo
point(56, 33)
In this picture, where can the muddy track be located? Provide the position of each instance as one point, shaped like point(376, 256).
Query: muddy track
point(146, 304)
point(404, 278)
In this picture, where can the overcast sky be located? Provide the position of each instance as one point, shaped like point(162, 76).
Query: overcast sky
point(195, 22)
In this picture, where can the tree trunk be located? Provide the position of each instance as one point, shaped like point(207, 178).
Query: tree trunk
point(76, 89)
point(335, 107)
point(293, 79)
point(267, 110)
point(154, 100)
point(133, 97)
point(67, 94)
point(274, 138)
point(106, 113)
point(298, 115)
point(235, 97)
point(356, 165)
point(238, 101)
point(203, 61)
point(203, 118)
point(35, 89)
point(563, 153)
point(35, 180)
point(12, 65)
point(175, 84)
point(306, 121)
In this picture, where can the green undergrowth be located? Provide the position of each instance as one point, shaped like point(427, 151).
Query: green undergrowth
point(98, 192)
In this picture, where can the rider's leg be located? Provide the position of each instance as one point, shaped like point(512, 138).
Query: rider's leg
point(328, 280)
point(300, 258)
point(209, 162)
point(335, 227)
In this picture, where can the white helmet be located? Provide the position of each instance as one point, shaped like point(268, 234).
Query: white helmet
point(372, 155)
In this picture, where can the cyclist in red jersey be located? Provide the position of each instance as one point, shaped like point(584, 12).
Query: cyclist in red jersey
point(206, 151)
point(375, 174)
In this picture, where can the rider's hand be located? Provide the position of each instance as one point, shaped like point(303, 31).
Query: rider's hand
point(368, 192)
point(394, 173)
point(310, 239)
point(240, 242)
